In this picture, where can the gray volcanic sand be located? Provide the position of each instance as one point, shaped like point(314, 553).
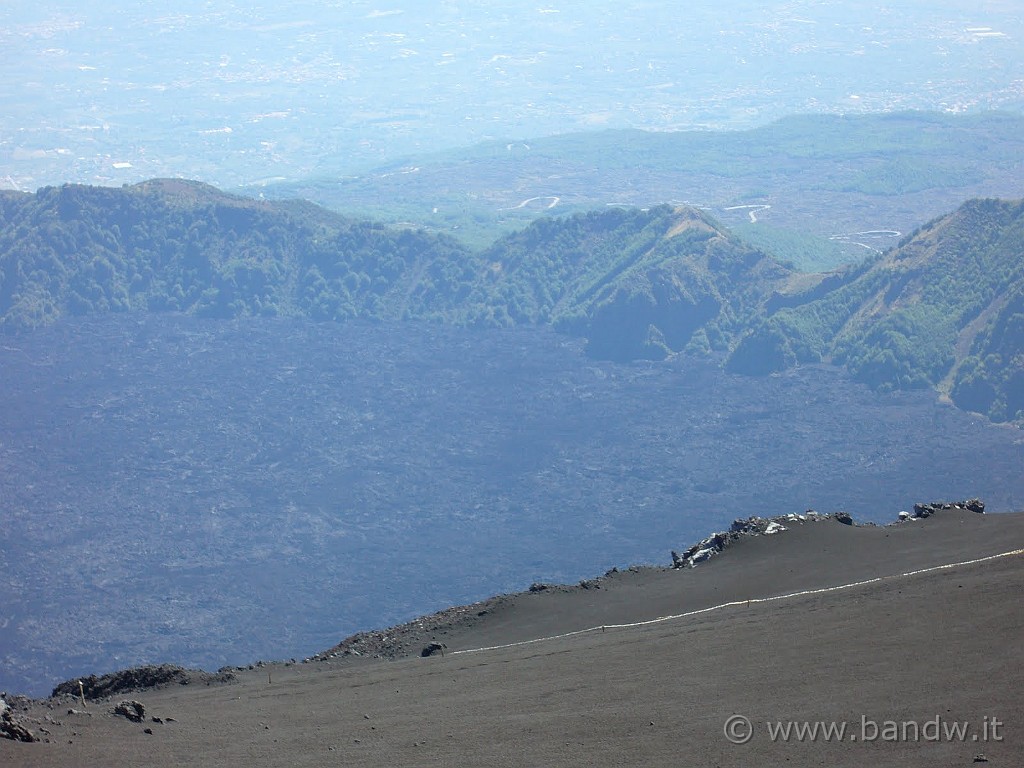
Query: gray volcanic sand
point(941, 644)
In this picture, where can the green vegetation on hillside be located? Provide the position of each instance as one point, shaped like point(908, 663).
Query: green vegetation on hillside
point(177, 246)
point(823, 175)
point(942, 310)
point(635, 283)
point(799, 250)
point(638, 284)
point(991, 379)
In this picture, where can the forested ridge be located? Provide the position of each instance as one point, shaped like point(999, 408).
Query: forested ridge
point(186, 247)
point(636, 283)
point(944, 309)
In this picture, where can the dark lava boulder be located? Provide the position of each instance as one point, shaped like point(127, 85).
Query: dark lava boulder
point(927, 510)
point(433, 648)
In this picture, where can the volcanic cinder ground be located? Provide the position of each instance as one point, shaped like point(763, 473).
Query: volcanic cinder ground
point(926, 651)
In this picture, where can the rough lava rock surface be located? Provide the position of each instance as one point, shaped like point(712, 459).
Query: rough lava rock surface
point(131, 709)
point(761, 526)
point(11, 728)
point(927, 510)
point(138, 679)
point(707, 548)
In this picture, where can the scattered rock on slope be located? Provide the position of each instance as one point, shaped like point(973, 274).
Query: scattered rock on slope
point(927, 510)
point(11, 728)
point(760, 526)
point(751, 526)
point(137, 679)
point(132, 710)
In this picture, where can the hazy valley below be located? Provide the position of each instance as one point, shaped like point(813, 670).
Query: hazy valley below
point(249, 94)
point(211, 492)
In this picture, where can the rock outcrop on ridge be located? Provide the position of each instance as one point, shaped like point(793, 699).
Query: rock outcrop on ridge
point(137, 679)
point(766, 526)
point(707, 548)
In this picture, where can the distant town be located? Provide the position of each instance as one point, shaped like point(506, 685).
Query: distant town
point(241, 99)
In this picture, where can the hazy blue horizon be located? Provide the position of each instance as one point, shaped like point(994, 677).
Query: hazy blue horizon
point(237, 95)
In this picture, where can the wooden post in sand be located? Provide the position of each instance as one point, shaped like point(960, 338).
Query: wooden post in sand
point(81, 692)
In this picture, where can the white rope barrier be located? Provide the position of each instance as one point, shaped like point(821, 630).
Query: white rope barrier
point(752, 601)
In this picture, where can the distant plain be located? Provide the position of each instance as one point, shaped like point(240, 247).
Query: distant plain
point(245, 94)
